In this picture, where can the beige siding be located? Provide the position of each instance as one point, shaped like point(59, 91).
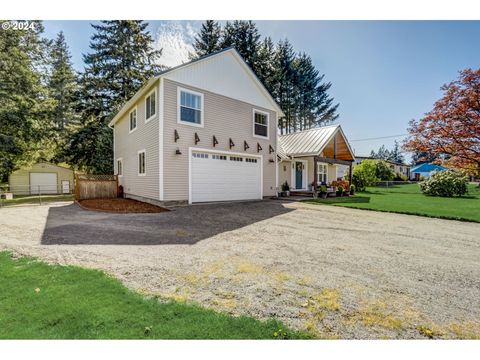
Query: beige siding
point(284, 173)
point(223, 117)
point(127, 145)
point(19, 181)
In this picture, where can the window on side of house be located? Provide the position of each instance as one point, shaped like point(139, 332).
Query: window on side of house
point(133, 119)
point(119, 167)
point(141, 163)
point(322, 173)
point(150, 106)
point(260, 124)
point(190, 107)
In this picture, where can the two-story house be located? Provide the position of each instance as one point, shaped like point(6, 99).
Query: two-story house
point(203, 131)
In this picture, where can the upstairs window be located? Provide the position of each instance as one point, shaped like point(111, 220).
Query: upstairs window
point(260, 124)
point(133, 119)
point(190, 109)
point(150, 106)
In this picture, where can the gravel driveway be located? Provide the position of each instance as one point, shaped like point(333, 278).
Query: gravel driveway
point(334, 271)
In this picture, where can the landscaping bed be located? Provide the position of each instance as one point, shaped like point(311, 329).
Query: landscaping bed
point(120, 206)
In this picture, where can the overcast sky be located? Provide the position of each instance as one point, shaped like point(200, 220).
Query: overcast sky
point(383, 73)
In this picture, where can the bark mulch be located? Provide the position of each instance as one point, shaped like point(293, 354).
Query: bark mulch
point(120, 206)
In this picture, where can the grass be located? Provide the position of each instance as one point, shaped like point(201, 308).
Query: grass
point(34, 199)
point(41, 301)
point(408, 199)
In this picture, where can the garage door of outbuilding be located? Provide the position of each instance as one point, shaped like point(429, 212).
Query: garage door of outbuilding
point(223, 176)
point(45, 183)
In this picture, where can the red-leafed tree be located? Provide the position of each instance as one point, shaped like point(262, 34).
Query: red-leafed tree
point(452, 129)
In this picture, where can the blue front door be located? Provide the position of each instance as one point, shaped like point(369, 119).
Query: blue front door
point(298, 175)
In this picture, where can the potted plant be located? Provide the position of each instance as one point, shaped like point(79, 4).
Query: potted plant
point(323, 191)
point(285, 189)
point(352, 189)
point(339, 190)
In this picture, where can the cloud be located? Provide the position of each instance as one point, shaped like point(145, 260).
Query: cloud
point(176, 39)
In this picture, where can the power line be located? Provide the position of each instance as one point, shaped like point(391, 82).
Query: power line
point(382, 137)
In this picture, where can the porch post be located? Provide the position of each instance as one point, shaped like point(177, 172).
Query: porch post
point(315, 173)
point(350, 173)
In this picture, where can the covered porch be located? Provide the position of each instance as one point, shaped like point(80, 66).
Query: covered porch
point(315, 160)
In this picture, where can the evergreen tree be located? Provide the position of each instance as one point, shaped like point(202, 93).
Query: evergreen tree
point(63, 88)
point(265, 64)
point(245, 37)
point(208, 40)
point(24, 102)
point(284, 88)
point(121, 61)
point(396, 154)
point(383, 153)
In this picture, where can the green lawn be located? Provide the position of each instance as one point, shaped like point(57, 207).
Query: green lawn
point(40, 301)
point(408, 199)
point(32, 199)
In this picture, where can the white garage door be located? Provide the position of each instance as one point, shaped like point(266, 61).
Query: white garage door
point(220, 177)
point(46, 183)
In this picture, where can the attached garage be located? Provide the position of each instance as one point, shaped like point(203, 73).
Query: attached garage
point(224, 176)
point(44, 177)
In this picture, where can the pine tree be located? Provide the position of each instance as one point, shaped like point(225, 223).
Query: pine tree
point(396, 155)
point(208, 40)
point(284, 87)
point(24, 102)
point(245, 37)
point(265, 64)
point(383, 153)
point(121, 61)
point(63, 88)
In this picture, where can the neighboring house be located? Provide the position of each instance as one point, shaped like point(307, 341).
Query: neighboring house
point(203, 131)
point(424, 170)
point(312, 157)
point(398, 168)
point(42, 177)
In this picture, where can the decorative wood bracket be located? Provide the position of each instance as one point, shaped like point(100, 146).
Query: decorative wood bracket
point(245, 146)
point(270, 149)
point(197, 139)
point(259, 148)
point(215, 142)
point(232, 144)
point(176, 136)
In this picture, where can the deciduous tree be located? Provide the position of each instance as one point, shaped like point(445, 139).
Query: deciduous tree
point(452, 127)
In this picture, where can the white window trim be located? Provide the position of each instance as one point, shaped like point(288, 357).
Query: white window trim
point(222, 152)
point(136, 122)
point(138, 162)
point(268, 124)
point(154, 91)
point(326, 172)
point(121, 160)
point(202, 111)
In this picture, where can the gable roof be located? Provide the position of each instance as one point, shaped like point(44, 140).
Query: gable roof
point(309, 142)
point(427, 167)
point(164, 73)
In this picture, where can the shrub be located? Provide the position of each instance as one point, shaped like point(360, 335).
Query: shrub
point(383, 171)
point(400, 177)
point(446, 183)
point(364, 174)
point(352, 189)
point(339, 191)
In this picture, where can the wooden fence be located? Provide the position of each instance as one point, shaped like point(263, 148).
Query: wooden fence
point(96, 187)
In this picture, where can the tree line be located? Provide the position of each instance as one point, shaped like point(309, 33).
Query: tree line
point(50, 112)
point(291, 78)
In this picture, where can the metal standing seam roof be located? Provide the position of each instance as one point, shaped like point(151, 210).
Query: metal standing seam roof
point(308, 142)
